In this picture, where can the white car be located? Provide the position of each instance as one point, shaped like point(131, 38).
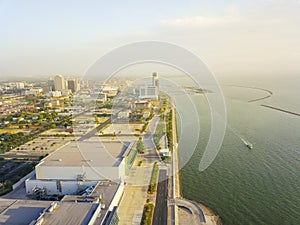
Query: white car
point(89, 190)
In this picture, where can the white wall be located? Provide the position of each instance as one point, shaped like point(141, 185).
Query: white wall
point(117, 197)
point(72, 187)
point(49, 185)
point(95, 215)
point(122, 170)
point(67, 187)
point(20, 182)
point(57, 173)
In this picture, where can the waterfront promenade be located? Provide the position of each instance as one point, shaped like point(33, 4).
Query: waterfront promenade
point(178, 206)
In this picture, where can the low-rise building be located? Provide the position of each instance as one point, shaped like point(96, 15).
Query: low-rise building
point(124, 114)
point(34, 91)
point(54, 94)
point(48, 213)
point(110, 90)
point(140, 105)
point(149, 92)
point(80, 164)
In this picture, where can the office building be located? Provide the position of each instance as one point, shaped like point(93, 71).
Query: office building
point(155, 79)
point(148, 93)
point(73, 85)
point(51, 85)
point(59, 83)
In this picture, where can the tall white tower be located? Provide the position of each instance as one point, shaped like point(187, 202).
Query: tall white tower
point(155, 79)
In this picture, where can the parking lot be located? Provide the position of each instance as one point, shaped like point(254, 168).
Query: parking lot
point(36, 148)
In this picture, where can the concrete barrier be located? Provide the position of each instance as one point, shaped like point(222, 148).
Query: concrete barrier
point(16, 185)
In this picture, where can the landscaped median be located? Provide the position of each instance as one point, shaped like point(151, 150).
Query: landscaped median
point(169, 129)
point(159, 132)
point(147, 214)
point(153, 180)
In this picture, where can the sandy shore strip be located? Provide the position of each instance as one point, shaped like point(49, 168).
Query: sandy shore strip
point(211, 217)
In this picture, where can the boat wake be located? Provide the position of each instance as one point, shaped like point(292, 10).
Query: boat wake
point(247, 143)
point(243, 140)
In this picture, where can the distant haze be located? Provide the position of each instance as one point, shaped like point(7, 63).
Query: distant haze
point(260, 37)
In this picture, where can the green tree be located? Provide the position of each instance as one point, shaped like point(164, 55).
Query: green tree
point(140, 145)
point(9, 118)
point(96, 119)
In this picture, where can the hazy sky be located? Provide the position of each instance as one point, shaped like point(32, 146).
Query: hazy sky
point(232, 37)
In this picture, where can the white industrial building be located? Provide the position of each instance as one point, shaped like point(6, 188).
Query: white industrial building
point(77, 165)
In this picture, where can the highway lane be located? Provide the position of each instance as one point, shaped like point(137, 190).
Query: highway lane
point(161, 205)
point(94, 131)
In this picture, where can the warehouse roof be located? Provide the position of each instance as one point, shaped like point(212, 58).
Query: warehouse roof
point(70, 214)
point(23, 212)
point(87, 154)
point(20, 211)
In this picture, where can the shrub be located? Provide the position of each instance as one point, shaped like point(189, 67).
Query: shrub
point(153, 180)
point(140, 145)
point(147, 214)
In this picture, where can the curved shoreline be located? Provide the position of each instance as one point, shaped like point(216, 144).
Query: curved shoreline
point(270, 93)
point(210, 214)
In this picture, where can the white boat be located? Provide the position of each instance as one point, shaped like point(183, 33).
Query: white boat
point(249, 145)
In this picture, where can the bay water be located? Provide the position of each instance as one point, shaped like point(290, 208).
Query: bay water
point(243, 186)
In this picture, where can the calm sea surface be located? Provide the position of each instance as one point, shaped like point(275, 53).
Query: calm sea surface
point(258, 186)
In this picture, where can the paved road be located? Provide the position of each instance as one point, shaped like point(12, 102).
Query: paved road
point(153, 123)
point(161, 207)
point(148, 138)
point(94, 131)
point(18, 193)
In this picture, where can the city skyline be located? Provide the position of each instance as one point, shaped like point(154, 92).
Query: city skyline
point(149, 112)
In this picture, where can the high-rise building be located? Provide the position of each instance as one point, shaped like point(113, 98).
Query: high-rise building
point(73, 85)
point(155, 79)
point(51, 85)
point(59, 83)
point(150, 92)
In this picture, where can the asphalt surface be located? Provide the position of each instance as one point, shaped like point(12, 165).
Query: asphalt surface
point(160, 216)
point(94, 131)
